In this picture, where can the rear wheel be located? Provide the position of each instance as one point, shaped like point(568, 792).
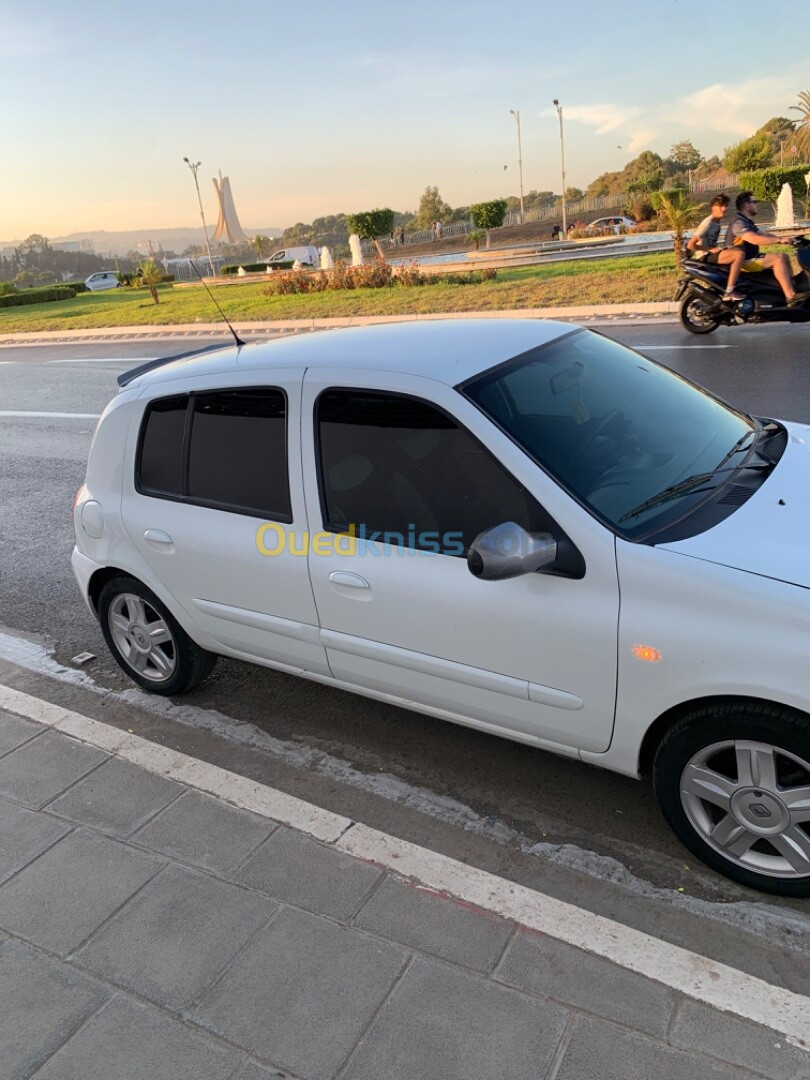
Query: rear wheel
point(697, 315)
point(733, 781)
point(147, 641)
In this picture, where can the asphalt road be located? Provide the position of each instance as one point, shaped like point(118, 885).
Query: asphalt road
point(578, 832)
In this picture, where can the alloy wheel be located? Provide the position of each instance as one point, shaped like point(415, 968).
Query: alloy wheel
point(142, 637)
point(750, 802)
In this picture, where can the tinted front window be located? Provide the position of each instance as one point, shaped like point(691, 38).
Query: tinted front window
point(237, 455)
point(161, 457)
point(398, 467)
point(613, 427)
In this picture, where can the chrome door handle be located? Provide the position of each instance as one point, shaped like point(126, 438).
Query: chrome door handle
point(343, 577)
point(155, 536)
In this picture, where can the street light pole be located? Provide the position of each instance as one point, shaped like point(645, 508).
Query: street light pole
point(516, 115)
point(558, 107)
point(194, 165)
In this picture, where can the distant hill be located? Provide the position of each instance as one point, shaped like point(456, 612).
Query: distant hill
point(119, 243)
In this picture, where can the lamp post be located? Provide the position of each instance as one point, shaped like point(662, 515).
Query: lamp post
point(516, 115)
point(194, 165)
point(558, 107)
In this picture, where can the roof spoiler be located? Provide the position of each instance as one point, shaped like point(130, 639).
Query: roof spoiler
point(150, 365)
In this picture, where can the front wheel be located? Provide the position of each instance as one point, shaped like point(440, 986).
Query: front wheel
point(147, 641)
point(697, 315)
point(733, 781)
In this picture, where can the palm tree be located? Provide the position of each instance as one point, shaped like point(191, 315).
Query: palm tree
point(258, 243)
point(151, 275)
point(803, 125)
point(678, 212)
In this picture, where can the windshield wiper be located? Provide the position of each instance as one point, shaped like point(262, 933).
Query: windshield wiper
point(690, 485)
point(738, 445)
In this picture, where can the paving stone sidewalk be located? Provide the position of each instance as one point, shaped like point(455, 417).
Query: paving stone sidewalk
point(149, 932)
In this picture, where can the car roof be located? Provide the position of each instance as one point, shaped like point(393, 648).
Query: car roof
point(447, 350)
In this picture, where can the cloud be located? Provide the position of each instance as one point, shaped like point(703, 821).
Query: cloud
point(731, 110)
point(604, 118)
point(640, 139)
point(736, 109)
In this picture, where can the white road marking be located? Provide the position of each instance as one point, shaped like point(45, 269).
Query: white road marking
point(650, 348)
point(714, 984)
point(52, 415)
point(103, 360)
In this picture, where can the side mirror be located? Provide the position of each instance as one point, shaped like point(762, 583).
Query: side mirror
point(508, 551)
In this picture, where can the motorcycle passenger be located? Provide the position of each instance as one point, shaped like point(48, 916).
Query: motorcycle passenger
point(742, 232)
point(702, 244)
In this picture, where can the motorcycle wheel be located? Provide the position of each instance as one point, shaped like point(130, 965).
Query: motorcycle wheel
point(696, 315)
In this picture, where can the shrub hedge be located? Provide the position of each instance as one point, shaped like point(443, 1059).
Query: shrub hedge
point(766, 184)
point(38, 296)
point(374, 275)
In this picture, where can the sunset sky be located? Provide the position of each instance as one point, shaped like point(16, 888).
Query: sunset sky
point(318, 108)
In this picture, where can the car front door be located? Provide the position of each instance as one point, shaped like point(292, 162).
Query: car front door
point(401, 473)
point(211, 467)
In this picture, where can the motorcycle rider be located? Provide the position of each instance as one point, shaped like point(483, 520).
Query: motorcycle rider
point(744, 233)
point(702, 244)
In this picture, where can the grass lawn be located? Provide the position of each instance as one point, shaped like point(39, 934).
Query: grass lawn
point(640, 278)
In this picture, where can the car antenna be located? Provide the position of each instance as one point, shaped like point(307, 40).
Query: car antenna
point(236, 337)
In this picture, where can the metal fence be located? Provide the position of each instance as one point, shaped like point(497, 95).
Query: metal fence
point(542, 213)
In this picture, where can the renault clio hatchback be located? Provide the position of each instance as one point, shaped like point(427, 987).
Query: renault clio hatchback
point(519, 526)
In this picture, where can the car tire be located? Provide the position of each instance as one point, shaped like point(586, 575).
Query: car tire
point(695, 315)
point(146, 640)
point(733, 782)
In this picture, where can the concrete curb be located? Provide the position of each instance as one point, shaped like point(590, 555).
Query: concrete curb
point(715, 984)
point(121, 333)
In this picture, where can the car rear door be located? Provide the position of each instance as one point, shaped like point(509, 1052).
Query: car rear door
point(211, 465)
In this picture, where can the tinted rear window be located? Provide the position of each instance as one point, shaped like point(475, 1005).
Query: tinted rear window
point(161, 459)
point(238, 451)
point(226, 449)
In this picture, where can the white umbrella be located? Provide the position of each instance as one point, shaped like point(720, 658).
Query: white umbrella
point(326, 259)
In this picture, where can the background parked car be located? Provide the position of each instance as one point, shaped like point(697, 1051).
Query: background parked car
point(615, 223)
point(102, 279)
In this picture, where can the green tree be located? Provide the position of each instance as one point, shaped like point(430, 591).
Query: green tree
point(150, 275)
point(685, 155)
point(539, 199)
point(678, 212)
point(766, 184)
point(488, 215)
point(574, 194)
point(259, 243)
point(803, 124)
point(35, 242)
point(753, 153)
point(370, 225)
point(432, 207)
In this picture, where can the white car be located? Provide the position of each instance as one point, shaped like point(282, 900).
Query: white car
point(520, 526)
point(102, 279)
point(614, 223)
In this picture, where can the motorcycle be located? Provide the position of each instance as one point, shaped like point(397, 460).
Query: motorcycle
point(703, 308)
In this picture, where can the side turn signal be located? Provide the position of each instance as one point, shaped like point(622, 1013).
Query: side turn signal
point(646, 652)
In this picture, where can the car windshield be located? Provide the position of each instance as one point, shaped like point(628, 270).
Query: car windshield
point(613, 427)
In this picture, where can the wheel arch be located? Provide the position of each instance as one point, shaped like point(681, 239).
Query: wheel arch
point(100, 578)
point(661, 725)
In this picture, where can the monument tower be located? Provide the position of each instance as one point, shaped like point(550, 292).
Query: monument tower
point(228, 230)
